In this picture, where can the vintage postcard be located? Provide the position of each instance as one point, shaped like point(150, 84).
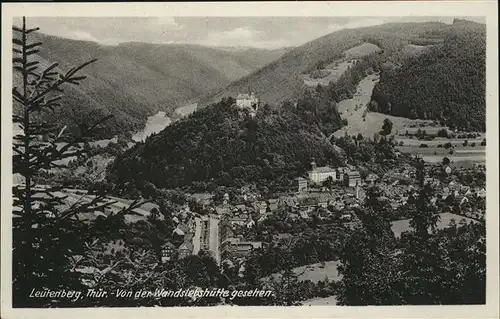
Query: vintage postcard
point(264, 160)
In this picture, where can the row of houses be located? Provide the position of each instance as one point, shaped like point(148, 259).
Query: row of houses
point(233, 247)
point(348, 175)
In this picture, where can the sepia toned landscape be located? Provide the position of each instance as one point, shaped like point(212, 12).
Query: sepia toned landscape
point(348, 169)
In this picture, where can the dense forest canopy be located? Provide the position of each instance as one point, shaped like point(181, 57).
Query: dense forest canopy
point(223, 144)
point(446, 84)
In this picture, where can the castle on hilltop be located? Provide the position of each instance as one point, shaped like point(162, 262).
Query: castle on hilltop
point(247, 101)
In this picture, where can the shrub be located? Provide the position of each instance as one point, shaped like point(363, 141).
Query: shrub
point(442, 133)
point(423, 145)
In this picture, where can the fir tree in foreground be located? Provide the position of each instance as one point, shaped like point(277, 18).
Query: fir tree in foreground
point(49, 242)
point(53, 248)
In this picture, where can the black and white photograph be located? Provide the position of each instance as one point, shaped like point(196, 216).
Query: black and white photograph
point(176, 160)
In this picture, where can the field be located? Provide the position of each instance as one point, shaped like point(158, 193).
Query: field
point(327, 301)
point(403, 225)
point(335, 70)
point(359, 121)
point(459, 161)
point(466, 151)
point(315, 272)
point(461, 155)
point(435, 142)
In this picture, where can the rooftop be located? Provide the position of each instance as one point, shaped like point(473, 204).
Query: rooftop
point(245, 96)
point(324, 169)
point(187, 246)
point(353, 173)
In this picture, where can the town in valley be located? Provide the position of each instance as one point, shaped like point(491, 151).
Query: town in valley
point(349, 169)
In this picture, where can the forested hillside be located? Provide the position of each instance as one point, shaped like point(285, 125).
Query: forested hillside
point(447, 83)
point(134, 80)
point(280, 80)
point(223, 145)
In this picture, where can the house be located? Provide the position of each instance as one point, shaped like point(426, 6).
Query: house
point(240, 208)
point(481, 193)
point(223, 209)
point(287, 202)
point(167, 251)
point(433, 201)
point(249, 223)
point(244, 100)
point(240, 219)
point(462, 199)
point(226, 198)
point(304, 215)
point(283, 237)
point(236, 248)
point(272, 204)
point(226, 230)
point(349, 201)
point(339, 205)
point(181, 229)
point(465, 190)
point(321, 174)
point(445, 192)
point(346, 217)
point(259, 206)
point(447, 170)
point(372, 178)
point(352, 178)
point(262, 217)
point(185, 250)
point(301, 184)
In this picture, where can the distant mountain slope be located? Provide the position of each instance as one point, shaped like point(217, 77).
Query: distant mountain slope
point(280, 80)
point(446, 83)
point(135, 80)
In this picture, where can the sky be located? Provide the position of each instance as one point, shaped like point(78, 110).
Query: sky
point(259, 32)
